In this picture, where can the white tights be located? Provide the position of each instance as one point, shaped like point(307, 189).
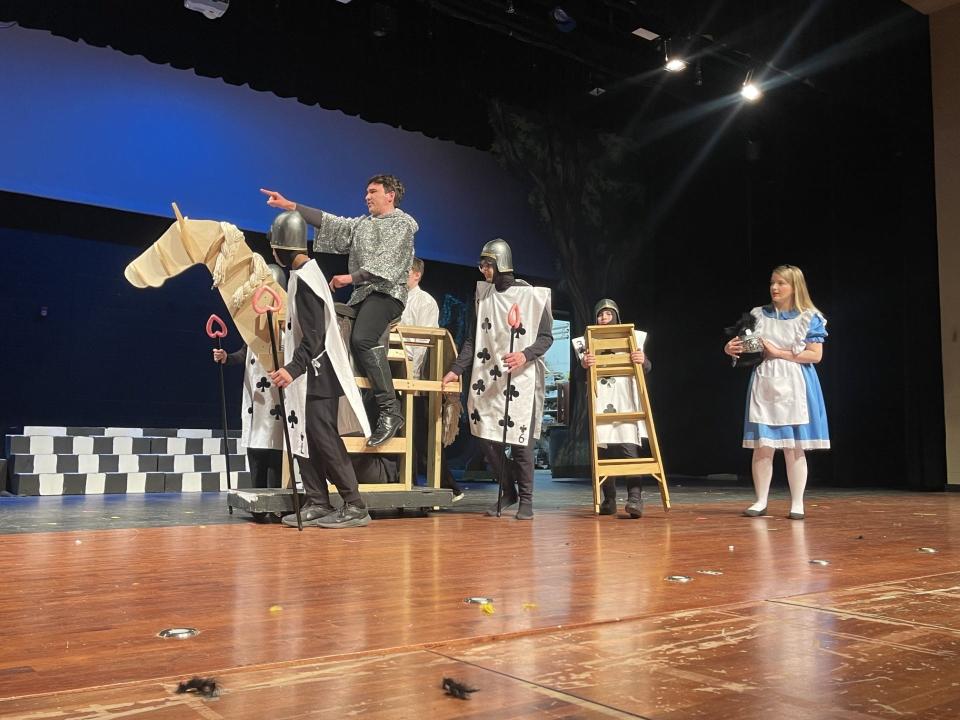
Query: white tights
point(796, 462)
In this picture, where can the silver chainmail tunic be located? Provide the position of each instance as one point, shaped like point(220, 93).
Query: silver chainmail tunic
point(381, 246)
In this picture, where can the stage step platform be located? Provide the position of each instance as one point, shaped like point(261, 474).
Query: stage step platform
point(260, 502)
point(50, 460)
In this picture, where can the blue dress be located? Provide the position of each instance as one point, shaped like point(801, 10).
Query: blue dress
point(773, 402)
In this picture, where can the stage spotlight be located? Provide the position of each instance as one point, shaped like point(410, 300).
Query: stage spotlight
point(511, 10)
point(562, 20)
point(672, 63)
point(750, 91)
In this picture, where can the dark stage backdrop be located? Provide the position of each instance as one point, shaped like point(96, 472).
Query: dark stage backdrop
point(94, 126)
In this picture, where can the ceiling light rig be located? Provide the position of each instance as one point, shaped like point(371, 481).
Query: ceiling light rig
point(671, 62)
point(750, 91)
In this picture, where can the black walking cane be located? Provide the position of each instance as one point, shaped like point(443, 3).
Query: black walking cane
point(513, 320)
point(219, 335)
point(270, 310)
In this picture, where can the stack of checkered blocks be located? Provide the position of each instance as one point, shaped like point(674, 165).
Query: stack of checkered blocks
point(99, 460)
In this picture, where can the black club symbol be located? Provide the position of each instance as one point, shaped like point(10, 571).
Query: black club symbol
point(520, 330)
point(250, 410)
point(496, 372)
point(511, 392)
point(253, 361)
point(609, 408)
point(486, 324)
point(509, 422)
point(263, 384)
point(293, 419)
point(479, 386)
point(483, 355)
point(523, 429)
point(608, 381)
point(289, 325)
point(276, 412)
point(475, 416)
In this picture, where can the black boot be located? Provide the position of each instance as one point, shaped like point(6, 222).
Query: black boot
point(509, 499)
point(377, 367)
point(609, 504)
point(525, 491)
point(634, 506)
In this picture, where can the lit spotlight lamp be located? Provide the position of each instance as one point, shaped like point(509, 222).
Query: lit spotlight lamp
point(672, 63)
point(750, 91)
point(211, 9)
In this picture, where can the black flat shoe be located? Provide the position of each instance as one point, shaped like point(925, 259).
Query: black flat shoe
point(755, 513)
point(795, 516)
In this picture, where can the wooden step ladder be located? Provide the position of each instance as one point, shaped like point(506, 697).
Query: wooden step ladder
point(612, 345)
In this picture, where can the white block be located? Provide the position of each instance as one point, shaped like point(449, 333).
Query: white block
point(183, 463)
point(211, 446)
point(193, 433)
point(191, 482)
point(122, 446)
point(45, 463)
point(234, 479)
point(44, 430)
point(42, 445)
point(124, 432)
point(83, 446)
point(176, 446)
point(88, 463)
point(136, 482)
point(95, 484)
point(218, 463)
point(51, 484)
point(128, 463)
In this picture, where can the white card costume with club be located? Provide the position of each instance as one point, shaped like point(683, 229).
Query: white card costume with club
point(486, 399)
point(351, 418)
point(260, 414)
point(616, 394)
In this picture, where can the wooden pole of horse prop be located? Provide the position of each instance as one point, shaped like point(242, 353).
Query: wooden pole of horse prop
point(269, 311)
point(219, 334)
point(513, 320)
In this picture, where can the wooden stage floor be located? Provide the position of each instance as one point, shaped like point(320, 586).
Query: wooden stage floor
point(367, 622)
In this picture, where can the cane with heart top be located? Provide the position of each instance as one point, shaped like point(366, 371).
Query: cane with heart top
point(513, 320)
point(269, 311)
point(219, 334)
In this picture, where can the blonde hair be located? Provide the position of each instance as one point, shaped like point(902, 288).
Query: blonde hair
point(801, 296)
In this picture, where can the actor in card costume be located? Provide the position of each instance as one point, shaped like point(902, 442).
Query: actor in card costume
point(380, 248)
point(422, 311)
point(262, 432)
point(620, 440)
point(487, 353)
point(314, 349)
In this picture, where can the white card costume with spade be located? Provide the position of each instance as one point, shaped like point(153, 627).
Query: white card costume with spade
point(351, 418)
point(260, 416)
point(487, 393)
point(617, 394)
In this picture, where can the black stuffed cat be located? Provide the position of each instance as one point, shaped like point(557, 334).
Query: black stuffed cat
point(752, 343)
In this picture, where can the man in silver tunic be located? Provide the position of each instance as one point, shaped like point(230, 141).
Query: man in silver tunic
point(380, 249)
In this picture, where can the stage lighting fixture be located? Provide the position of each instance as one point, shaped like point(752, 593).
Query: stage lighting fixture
point(750, 91)
point(562, 20)
point(672, 63)
point(511, 10)
point(211, 9)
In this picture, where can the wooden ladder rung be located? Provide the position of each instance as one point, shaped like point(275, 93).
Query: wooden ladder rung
point(620, 417)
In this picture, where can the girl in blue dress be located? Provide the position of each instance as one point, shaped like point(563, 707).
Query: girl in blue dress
point(785, 408)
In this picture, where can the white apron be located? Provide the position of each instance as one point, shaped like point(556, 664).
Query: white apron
point(486, 398)
point(617, 394)
point(351, 418)
point(260, 420)
point(778, 393)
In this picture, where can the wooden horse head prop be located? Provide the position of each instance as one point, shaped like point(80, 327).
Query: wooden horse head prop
point(237, 272)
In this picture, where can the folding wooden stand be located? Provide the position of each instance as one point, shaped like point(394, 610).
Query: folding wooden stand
point(612, 345)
